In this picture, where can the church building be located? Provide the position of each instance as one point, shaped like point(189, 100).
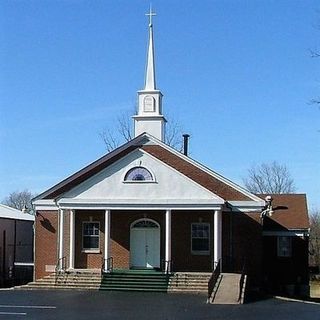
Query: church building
point(147, 206)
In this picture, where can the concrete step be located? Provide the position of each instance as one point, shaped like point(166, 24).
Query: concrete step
point(123, 280)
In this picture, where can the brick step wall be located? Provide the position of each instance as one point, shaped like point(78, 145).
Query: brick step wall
point(124, 281)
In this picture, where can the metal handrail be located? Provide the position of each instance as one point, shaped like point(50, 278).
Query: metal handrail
point(243, 279)
point(107, 265)
point(63, 264)
point(167, 266)
point(214, 278)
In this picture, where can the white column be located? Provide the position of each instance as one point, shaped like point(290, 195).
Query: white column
point(72, 233)
point(168, 242)
point(217, 245)
point(106, 238)
point(60, 255)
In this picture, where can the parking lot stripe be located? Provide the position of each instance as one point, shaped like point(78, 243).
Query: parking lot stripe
point(30, 307)
point(13, 313)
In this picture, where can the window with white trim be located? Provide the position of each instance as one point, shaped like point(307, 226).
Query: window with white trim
point(90, 235)
point(284, 246)
point(138, 174)
point(200, 238)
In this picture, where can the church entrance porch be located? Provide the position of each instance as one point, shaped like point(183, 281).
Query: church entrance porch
point(166, 240)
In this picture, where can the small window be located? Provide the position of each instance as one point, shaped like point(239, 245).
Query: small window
point(90, 235)
point(284, 246)
point(200, 238)
point(137, 174)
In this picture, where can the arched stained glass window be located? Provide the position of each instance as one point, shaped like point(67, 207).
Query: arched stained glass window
point(138, 174)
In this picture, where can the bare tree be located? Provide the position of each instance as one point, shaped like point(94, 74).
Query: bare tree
point(269, 178)
point(315, 54)
point(314, 241)
point(19, 200)
point(122, 132)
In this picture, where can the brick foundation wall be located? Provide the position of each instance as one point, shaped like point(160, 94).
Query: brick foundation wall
point(46, 234)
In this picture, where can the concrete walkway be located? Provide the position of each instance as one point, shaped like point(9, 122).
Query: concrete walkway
point(229, 288)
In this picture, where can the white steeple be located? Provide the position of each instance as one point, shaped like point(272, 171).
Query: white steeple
point(149, 118)
point(150, 81)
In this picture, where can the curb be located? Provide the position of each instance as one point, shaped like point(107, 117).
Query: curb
point(295, 300)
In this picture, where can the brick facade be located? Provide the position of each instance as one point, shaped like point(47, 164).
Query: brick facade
point(46, 237)
point(282, 271)
point(182, 258)
point(87, 260)
point(237, 239)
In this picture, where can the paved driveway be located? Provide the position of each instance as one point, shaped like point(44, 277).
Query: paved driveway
point(80, 305)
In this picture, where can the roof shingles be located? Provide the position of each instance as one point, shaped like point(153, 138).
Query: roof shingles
point(290, 210)
point(201, 177)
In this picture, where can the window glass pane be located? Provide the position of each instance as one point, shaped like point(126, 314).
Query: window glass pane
point(85, 228)
point(138, 174)
point(95, 230)
point(145, 224)
point(284, 246)
point(200, 234)
point(91, 235)
point(90, 242)
point(200, 245)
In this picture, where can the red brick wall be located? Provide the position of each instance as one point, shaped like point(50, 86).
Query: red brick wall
point(182, 258)
point(85, 260)
point(66, 236)
point(280, 271)
point(46, 233)
point(246, 244)
point(241, 237)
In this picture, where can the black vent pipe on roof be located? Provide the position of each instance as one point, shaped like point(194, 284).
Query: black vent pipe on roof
point(185, 143)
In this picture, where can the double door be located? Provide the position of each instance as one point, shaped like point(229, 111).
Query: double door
point(145, 247)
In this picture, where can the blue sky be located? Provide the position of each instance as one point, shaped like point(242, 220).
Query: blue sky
point(237, 75)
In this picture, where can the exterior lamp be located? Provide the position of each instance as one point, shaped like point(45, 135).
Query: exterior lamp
point(267, 211)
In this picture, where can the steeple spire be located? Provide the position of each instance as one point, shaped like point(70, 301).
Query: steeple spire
point(149, 116)
point(150, 81)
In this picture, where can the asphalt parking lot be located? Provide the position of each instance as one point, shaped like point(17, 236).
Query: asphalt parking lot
point(125, 305)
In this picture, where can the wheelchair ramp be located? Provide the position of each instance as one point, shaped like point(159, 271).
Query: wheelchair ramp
point(228, 291)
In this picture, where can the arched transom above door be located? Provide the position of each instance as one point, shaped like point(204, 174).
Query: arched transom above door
point(145, 223)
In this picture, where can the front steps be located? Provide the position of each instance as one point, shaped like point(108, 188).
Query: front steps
point(124, 280)
point(66, 280)
point(193, 282)
point(135, 280)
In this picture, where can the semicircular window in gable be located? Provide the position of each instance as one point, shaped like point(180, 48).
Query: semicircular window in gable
point(138, 174)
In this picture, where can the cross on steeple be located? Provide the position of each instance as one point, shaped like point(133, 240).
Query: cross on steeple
point(150, 14)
